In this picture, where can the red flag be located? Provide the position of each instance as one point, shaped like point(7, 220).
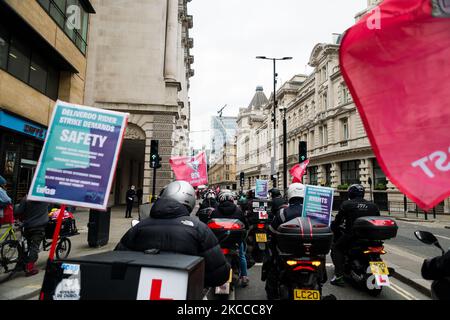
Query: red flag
point(396, 64)
point(190, 169)
point(298, 171)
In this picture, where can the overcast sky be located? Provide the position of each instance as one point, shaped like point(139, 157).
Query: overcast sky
point(229, 34)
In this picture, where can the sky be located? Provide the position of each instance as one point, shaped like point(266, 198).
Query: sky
point(229, 34)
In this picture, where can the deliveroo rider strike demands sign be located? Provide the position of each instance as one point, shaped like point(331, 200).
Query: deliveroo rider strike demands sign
point(318, 204)
point(79, 158)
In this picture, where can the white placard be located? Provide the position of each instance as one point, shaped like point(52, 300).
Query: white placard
point(162, 284)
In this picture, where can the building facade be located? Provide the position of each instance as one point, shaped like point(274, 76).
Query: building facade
point(222, 172)
point(140, 62)
point(223, 131)
point(319, 110)
point(43, 45)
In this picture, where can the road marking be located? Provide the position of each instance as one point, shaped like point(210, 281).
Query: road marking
point(403, 292)
point(442, 237)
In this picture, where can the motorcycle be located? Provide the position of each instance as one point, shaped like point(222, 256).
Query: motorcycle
point(363, 263)
point(300, 261)
point(230, 233)
point(259, 223)
point(440, 287)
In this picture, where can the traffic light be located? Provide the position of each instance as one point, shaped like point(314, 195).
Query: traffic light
point(302, 151)
point(242, 178)
point(155, 159)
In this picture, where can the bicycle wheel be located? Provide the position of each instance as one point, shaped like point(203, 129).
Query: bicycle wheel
point(63, 248)
point(10, 254)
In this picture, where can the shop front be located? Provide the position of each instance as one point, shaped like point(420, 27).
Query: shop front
point(21, 142)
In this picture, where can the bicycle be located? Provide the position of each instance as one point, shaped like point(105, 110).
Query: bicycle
point(14, 250)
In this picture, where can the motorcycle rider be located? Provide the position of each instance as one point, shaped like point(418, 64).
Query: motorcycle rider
point(171, 228)
point(277, 201)
point(209, 201)
point(350, 210)
point(295, 193)
point(227, 209)
point(438, 269)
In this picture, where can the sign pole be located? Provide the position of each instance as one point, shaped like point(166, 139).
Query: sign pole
point(56, 232)
point(154, 185)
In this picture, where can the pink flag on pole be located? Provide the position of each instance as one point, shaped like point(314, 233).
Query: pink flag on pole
point(190, 169)
point(395, 61)
point(298, 171)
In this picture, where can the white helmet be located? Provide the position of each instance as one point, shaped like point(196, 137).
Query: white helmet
point(180, 191)
point(296, 190)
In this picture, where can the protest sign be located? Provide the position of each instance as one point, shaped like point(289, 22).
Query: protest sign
point(318, 204)
point(261, 188)
point(191, 169)
point(79, 157)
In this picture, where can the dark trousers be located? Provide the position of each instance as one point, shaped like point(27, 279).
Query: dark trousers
point(34, 237)
point(338, 253)
point(128, 210)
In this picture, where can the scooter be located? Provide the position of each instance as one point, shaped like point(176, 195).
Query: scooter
point(363, 263)
point(259, 222)
point(440, 287)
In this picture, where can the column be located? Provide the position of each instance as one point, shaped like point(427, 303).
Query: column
point(335, 175)
point(170, 65)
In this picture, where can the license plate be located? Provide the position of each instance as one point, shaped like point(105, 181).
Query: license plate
point(379, 268)
point(261, 237)
point(263, 215)
point(300, 294)
point(230, 278)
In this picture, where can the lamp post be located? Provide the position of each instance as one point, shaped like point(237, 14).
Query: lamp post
point(284, 149)
point(274, 115)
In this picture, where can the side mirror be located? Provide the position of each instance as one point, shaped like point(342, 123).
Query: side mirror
point(428, 238)
point(134, 222)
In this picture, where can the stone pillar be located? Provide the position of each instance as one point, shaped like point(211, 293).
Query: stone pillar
point(335, 175)
point(171, 49)
point(321, 175)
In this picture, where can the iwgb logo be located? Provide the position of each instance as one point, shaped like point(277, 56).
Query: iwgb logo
point(73, 14)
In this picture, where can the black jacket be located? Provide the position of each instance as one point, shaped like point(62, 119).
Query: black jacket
point(293, 211)
point(130, 194)
point(436, 268)
point(170, 228)
point(228, 210)
point(33, 213)
point(276, 205)
point(353, 209)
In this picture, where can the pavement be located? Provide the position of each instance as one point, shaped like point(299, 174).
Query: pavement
point(406, 262)
point(23, 288)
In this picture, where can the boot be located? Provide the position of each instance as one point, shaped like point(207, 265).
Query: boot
point(30, 269)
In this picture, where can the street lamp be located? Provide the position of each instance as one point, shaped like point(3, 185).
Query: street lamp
point(284, 148)
point(274, 115)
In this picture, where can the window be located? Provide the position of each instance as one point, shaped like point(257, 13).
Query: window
point(311, 139)
point(328, 174)
point(38, 73)
point(27, 64)
point(344, 126)
point(325, 101)
point(350, 172)
point(325, 135)
point(313, 175)
point(4, 44)
point(378, 174)
point(19, 59)
point(321, 136)
point(58, 10)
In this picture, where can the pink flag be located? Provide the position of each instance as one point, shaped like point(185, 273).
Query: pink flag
point(298, 171)
point(190, 169)
point(396, 64)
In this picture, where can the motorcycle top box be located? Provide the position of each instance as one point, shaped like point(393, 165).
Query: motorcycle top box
point(304, 237)
point(375, 228)
point(228, 231)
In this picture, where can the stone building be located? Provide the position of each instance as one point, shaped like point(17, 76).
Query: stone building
point(140, 62)
point(222, 172)
point(42, 59)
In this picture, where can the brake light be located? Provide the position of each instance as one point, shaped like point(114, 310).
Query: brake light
point(295, 262)
point(379, 250)
point(383, 223)
point(261, 225)
point(224, 225)
point(304, 268)
point(225, 251)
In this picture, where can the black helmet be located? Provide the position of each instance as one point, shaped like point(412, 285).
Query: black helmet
point(356, 191)
point(275, 192)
